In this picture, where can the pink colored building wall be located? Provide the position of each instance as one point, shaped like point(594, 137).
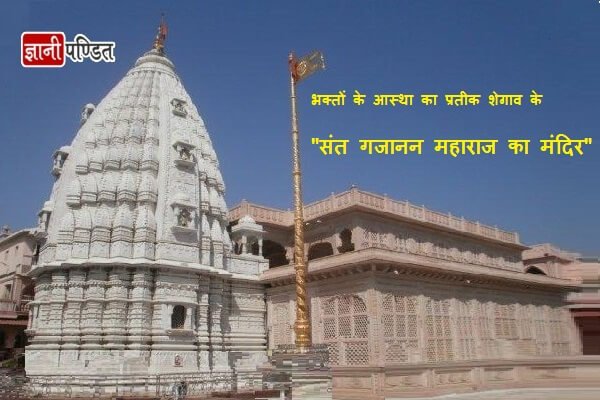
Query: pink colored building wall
point(16, 256)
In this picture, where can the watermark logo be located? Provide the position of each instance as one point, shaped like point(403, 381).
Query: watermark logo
point(50, 49)
point(42, 49)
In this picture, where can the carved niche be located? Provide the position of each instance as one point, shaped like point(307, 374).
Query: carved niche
point(179, 107)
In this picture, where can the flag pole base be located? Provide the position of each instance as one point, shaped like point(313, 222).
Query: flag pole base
point(299, 373)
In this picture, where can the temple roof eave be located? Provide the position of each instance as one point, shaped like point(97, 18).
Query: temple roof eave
point(17, 235)
point(344, 263)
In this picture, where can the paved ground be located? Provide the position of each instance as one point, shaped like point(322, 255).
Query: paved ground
point(526, 394)
point(11, 385)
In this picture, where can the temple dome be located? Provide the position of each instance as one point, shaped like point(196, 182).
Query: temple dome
point(129, 172)
point(154, 56)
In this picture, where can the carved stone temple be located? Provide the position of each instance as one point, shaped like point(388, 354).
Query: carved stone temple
point(413, 302)
point(135, 278)
point(144, 279)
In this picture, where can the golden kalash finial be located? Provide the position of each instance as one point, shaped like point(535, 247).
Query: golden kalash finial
point(161, 36)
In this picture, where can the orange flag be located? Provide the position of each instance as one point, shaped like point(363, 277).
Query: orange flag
point(307, 65)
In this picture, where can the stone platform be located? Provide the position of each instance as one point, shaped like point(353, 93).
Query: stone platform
point(523, 394)
point(299, 374)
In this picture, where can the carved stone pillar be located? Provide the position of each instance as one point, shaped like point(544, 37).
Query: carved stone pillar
point(202, 322)
point(31, 313)
point(114, 321)
point(226, 310)
point(140, 309)
point(92, 310)
point(72, 315)
point(43, 346)
point(57, 304)
point(376, 345)
point(159, 307)
point(217, 247)
point(190, 318)
point(422, 328)
point(289, 253)
point(42, 306)
point(205, 242)
point(219, 362)
point(244, 244)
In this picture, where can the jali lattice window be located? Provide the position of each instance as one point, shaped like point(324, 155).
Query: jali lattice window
point(466, 331)
point(505, 321)
point(527, 343)
point(559, 334)
point(541, 330)
point(485, 323)
point(346, 330)
point(372, 238)
point(281, 327)
point(438, 331)
point(525, 321)
point(399, 322)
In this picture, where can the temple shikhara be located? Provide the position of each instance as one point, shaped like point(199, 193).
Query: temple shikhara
point(136, 279)
point(144, 279)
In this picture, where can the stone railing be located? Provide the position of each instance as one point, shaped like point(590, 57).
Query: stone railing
point(261, 213)
point(252, 265)
point(359, 198)
point(13, 306)
point(547, 249)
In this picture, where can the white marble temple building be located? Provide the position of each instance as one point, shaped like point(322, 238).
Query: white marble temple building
point(140, 285)
point(136, 286)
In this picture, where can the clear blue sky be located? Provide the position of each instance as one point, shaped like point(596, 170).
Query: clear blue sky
point(231, 57)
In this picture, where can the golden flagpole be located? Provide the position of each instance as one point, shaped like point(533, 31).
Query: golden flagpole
point(302, 326)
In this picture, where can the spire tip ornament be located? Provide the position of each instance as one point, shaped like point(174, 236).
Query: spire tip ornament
point(161, 35)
